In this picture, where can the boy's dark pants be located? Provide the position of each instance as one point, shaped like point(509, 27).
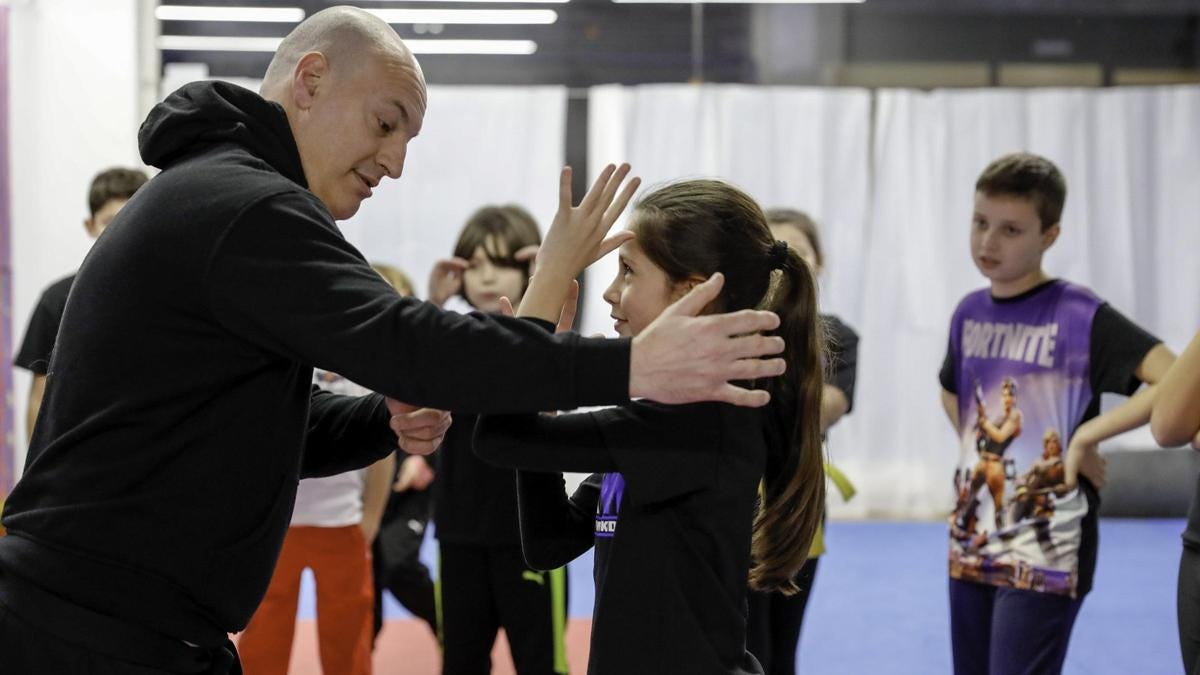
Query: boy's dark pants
point(1006, 631)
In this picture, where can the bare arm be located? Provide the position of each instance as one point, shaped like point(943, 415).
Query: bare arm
point(833, 405)
point(376, 488)
point(1175, 418)
point(36, 391)
point(1155, 365)
point(1083, 452)
point(950, 405)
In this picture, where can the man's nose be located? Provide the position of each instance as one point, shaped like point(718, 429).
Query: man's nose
point(391, 158)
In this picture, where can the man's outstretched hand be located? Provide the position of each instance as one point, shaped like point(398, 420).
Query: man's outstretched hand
point(419, 431)
point(683, 358)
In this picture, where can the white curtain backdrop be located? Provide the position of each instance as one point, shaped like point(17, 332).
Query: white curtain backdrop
point(806, 148)
point(892, 187)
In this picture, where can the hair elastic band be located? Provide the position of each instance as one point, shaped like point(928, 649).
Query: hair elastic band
point(778, 254)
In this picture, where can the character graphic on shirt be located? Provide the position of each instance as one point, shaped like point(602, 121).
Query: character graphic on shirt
point(992, 439)
point(612, 490)
point(1034, 501)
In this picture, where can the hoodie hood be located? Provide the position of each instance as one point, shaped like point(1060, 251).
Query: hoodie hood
point(203, 114)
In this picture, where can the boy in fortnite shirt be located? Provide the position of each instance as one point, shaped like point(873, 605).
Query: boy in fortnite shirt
point(1018, 575)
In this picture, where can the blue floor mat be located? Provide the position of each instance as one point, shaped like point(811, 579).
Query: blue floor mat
point(880, 601)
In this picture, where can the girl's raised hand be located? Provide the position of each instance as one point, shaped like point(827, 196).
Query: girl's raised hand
point(577, 236)
point(577, 239)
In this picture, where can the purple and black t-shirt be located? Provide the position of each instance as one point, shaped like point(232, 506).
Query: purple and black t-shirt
point(1027, 371)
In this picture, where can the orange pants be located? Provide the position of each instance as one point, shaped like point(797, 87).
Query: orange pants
point(341, 562)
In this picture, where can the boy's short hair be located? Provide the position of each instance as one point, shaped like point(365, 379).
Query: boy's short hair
point(1027, 176)
point(803, 222)
point(115, 183)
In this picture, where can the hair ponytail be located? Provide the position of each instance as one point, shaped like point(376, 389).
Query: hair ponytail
point(693, 228)
point(793, 498)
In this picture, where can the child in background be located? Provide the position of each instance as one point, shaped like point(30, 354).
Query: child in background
point(335, 522)
point(775, 618)
point(483, 581)
point(671, 504)
point(396, 554)
point(1014, 591)
point(109, 191)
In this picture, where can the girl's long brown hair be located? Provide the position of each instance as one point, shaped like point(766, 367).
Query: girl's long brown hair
point(694, 228)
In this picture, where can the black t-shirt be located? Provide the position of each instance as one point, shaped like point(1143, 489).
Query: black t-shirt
point(473, 502)
point(842, 350)
point(34, 354)
point(1117, 347)
point(179, 415)
point(669, 509)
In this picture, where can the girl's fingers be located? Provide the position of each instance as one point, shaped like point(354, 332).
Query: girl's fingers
point(564, 189)
point(526, 253)
point(593, 194)
point(617, 208)
point(611, 244)
point(614, 184)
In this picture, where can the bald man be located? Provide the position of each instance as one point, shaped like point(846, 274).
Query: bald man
point(178, 415)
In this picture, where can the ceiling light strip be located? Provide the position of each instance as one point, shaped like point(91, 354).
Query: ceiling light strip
point(210, 43)
point(247, 14)
point(468, 16)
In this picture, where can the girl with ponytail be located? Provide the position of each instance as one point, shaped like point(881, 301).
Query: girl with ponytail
point(775, 619)
point(685, 503)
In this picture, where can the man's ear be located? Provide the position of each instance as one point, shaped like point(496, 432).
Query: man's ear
point(89, 226)
point(1050, 235)
point(310, 74)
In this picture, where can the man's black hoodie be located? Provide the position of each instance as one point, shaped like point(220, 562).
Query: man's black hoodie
point(178, 413)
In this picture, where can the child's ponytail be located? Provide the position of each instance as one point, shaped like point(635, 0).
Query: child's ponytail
point(793, 499)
